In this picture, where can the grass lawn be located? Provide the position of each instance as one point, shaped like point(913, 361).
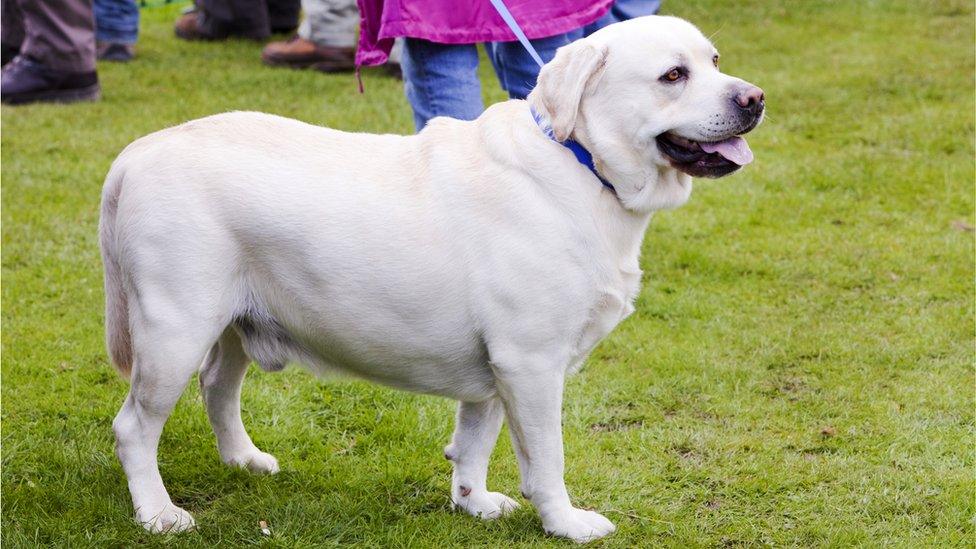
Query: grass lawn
point(799, 371)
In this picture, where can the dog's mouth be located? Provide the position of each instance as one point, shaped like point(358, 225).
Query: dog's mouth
point(705, 158)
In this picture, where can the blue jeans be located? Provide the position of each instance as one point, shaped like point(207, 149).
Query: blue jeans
point(116, 21)
point(623, 10)
point(442, 79)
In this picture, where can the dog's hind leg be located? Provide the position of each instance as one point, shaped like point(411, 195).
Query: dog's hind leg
point(475, 434)
point(220, 383)
point(167, 349)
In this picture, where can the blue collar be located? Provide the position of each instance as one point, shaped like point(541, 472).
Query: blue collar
point(583, 156)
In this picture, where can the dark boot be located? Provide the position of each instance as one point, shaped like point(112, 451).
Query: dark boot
point(26, 81)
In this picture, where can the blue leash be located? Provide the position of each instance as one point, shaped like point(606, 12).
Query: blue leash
point(582, 155)
point(502, 10)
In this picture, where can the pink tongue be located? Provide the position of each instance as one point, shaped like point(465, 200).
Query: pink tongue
point(734, 149)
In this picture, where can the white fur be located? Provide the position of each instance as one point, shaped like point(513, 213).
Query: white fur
point(476, 260)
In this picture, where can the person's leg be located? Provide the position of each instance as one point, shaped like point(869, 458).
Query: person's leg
point(326, 39)
point(516, 70)
point(247, 18)
point(12, 32)
point(441, 80)
point(56, 61)
point(116, 29)
point(283, 15)
point(396, 53)
point(116, 21)
point(60, 35)
point(623, 10)
point(220, 19)
point(330, 23)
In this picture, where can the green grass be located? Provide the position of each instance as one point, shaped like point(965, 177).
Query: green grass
point(799, 371)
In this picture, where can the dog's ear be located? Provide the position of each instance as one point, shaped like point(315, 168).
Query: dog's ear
point(564, 81)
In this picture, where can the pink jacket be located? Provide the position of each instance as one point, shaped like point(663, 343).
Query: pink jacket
point(464, 22)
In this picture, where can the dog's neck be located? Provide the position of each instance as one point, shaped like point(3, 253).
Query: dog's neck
point(638, 185)
point(641, 186)
point(583, 156)
point(622, 227)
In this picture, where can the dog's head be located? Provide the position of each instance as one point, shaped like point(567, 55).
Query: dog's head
point(647, 98)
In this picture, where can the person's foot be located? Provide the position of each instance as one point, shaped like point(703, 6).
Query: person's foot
point(114, 51)
point(195, 24)
point(24, 80)
point(299, 53)
point(7, 53)
point(188, 27)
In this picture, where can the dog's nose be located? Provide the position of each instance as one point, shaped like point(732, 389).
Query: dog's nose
point(751, 99)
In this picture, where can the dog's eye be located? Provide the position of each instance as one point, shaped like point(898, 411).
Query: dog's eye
point(715, 60)
point(674, 74)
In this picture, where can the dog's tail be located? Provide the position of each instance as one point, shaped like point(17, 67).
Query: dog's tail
point(117, 332)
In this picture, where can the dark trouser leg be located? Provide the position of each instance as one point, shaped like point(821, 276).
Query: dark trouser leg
point(244, 17)
point(12, 31)
point(249, 18)
point(284, 14)
point(59, 34)
point(11, 24)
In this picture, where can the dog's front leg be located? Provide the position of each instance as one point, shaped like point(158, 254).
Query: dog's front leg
point(474, 438)
point(533, 402)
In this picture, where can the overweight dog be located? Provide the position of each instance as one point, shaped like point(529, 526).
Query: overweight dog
point(479, 260)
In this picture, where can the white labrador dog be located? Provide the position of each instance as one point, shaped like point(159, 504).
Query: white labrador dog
point(476, 260)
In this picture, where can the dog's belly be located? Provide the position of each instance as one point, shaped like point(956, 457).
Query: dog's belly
point(398, 318)
point(405, 355)
point(369, 343)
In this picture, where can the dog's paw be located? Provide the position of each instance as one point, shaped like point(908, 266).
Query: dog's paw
point(578, 525)
point(255, 461)
point(169, 519)
point(482, 503)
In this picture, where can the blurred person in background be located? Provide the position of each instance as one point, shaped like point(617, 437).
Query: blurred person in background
point(48, 51)
point(250, 19)
point(440, 56)
point(116, 29)
point(326, 40)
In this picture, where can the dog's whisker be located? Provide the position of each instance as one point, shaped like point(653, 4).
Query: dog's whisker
point(712, 36)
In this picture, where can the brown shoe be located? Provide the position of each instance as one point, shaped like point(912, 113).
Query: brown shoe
point(299, 53)
point(195, 24)
point(187, 27)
